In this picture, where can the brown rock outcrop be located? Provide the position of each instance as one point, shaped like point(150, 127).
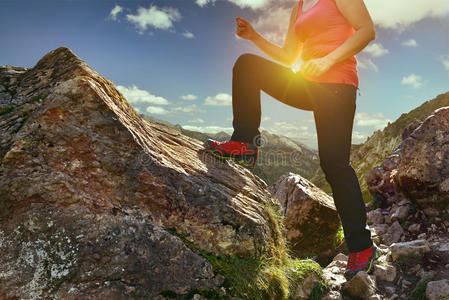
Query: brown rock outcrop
point(310, 218)
point(418, 168)
point(84, 180)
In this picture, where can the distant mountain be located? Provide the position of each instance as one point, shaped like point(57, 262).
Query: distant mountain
point(380, 144)
point(278, 156)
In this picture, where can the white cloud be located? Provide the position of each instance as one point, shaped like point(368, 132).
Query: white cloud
point(209, 129)
point(253, 4)
point(399, 14)
point(375, 120)
point(292, 131)
point(366, 63)
point(188, 109)
point(115, 11)
point(189, 97)
point(412, 80)
point(272, 23)
point(410, 43)
point(445, 61)
point(202, 3)
point(375, 50)
point(137, 96)
point(160, 18)
point(266, 118)
point(221, 99)
point(197, 120)
point(358, 137)
point(188, 34)
point(156, 110)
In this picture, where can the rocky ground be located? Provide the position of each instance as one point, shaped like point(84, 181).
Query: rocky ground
point(97, 203)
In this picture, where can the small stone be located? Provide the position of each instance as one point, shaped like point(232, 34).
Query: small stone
point(394, 297)
point(431, 212)
point(394, 233)
point(375, 216)
point(380, 229)
point(405, 284)
point(437, 289)
point(414, 269)
point(422, 235)
point(400, 214)
point(426, 274)
point(385, 272)
point(414, 227)
point(416, 247)
point(332, 295)
point(361, 285)
point(390, 290)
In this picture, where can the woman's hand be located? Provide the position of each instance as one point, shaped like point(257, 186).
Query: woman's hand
point(244, 29)
point(317, 66)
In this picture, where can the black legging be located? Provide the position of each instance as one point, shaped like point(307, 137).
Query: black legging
point(333, 106)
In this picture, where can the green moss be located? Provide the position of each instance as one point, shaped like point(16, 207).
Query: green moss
point(318, 291)
point(275, 274)
point(419, 293)
point(6, 109)
point(378, 201)
point(339, 236)
point(169, 294)
point(12, 93)
point(25, 116)
point(405, 224)
point(413, 209)
point(409, 261)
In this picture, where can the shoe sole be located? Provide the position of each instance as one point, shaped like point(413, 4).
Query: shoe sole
point(239, 159)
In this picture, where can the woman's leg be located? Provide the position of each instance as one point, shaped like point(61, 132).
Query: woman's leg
point(251, 74)
point(334, 110)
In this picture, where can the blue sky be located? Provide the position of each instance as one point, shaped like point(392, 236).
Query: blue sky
point(173, 59)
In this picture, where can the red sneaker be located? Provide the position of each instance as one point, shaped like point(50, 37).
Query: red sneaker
point(361, 261)
point(241, 152)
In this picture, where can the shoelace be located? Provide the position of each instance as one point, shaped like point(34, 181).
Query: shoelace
point(353, 257)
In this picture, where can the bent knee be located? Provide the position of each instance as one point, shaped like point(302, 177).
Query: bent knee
point(244, 60)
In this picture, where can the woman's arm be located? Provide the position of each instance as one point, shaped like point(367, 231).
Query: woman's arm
point(357, 14)
point(289, 53)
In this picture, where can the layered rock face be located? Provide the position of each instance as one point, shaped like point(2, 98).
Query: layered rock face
point(383, 142)
point(310, 218)
point(410, 208)
point(412, 184)
point(93, 198)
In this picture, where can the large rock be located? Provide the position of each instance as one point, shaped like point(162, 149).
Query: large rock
point(90, 193)
point(418, 167)
point(311, 220)
point(77, 253)
point(423, 172)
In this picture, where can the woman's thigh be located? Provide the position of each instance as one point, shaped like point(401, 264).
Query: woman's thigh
point(334, 109)
point(278, 81)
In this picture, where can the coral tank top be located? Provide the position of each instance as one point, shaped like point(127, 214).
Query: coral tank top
point(322, 28)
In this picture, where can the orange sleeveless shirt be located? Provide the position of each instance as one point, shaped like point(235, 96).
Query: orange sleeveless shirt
point(322, 28)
